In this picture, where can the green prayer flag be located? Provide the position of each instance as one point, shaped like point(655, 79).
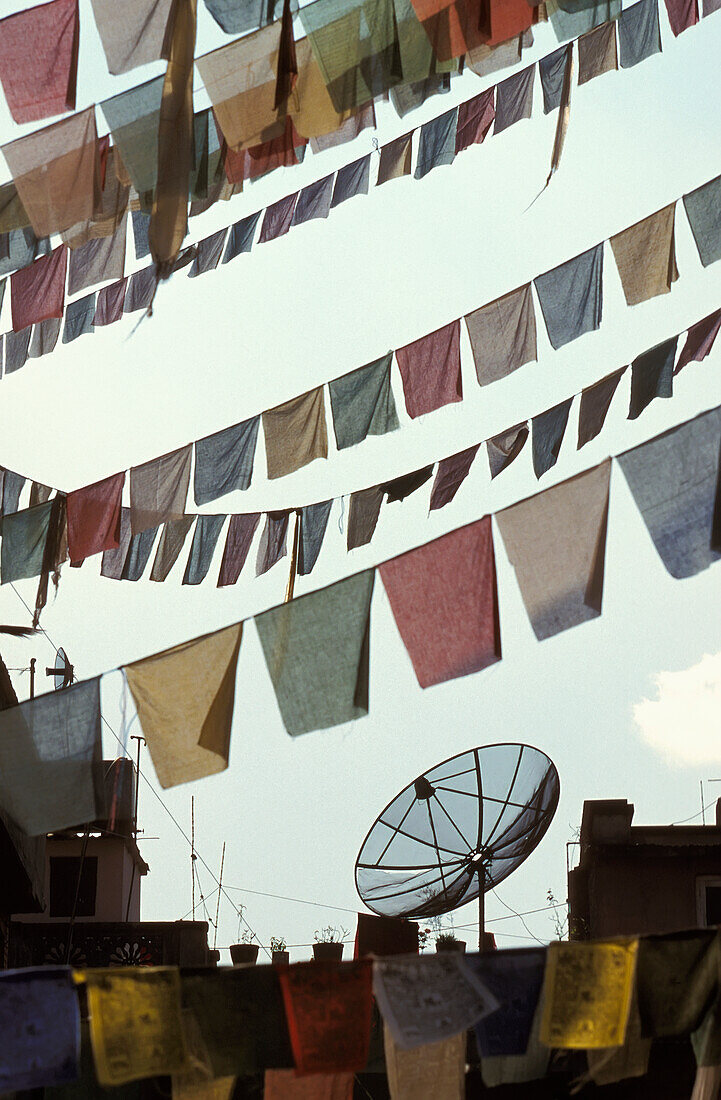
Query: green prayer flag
point(24, 535)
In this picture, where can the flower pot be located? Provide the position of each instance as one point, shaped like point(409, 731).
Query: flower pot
point(453, 945)
point(241, 953)
point(280, 958)
point(327, 952)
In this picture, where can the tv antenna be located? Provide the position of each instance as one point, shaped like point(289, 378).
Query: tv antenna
point(457, 831)
point(63, 672)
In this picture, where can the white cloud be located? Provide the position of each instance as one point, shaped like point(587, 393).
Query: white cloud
point(684, 721)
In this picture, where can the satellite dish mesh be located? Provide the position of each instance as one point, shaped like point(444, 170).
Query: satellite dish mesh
point(472, 819)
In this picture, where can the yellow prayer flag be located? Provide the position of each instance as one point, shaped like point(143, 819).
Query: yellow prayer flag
point(195, 1087)
point(135, 1022)
point(587, 993)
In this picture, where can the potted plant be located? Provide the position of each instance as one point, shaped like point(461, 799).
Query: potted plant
point(246, 952)
point(328, 946)
point(278, 950)
point(446, 941)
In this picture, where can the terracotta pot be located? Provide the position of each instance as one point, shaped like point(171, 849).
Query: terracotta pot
point(281, 958)
point(242, 953)
point(327, 952)
point(453, 945)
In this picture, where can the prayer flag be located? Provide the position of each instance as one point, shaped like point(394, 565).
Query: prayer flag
point(645, 255)
point(284, 1084)
point(135, 1023)
point(437, 145)
point(113, 561)
point(224, 461)
point(316, 648)
point(451, 474)
point(40, 1022)
point(351, 180)
point(677, 981)
point(159, 489)
point(138, 554)
point(571, 296)
point(703, 210)
point(571, 20)
point(12, 487)
point(639, 36)
point(362, 403)
point(133, 117)
point(552, 69)
point(110, 303)
point(94, 518)
point(395, 159)
point(652, 376)
point(503, 335)
point(682, 14)
point(79, 318)
point(295, 433)
point(699, 340)
point(39, 60)
point(141, 290)
point(237, 544)
point(313, 522)
point(431, 370)
point(172, 540)
point(597, 53)
point(429, 1072)
point(504, 448)
point(23, 543)
point(278, 218)
point(363, 512)
point(314, 201)
point(210, 250)
point(444, 600)
point(674, 481)
point(595, 403)
point(401, 487)
point(547, 432)
point(556, 542)
point(205, 538)
point(133, 32)
point(38, 291)
point(328, 1009)
point(587, 993)
point(50, 759)
point(240, 237)
point(514, 99)
point(98, 260)
point(45, 337)
point(385, 936)
point(475, 117)
point(515, 979)
point(272, 545)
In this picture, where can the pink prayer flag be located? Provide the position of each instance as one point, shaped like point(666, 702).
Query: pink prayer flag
point(110, 303)
point(39, 60)
point(94, 518)
point(431, 370)
point(445, 602)
point(38, 291)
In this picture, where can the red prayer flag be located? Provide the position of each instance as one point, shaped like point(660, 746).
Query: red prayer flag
point(328, 1009)
point(699, 340)
point(460, 26)
point(38, 291)
point(474, 119)
point(39, 60)
point(278, 153)
point(682, 14)
point(431, 370)
point(94, 518)
point(445, 602)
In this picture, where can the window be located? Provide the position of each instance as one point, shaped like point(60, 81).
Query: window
point(708, 900)
point(64, 884)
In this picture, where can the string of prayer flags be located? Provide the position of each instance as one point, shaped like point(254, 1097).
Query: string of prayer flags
point(505, 447)
point(224, 461)
point(571, 296)
point(313, 523)
point(328, 1009)
point(111, 300)
point(395, 160)
point(515, 979)
point(316, 648)
point(94, 518)
point(50, 760)
point(514, 99)
point(594, 405)
point(172, 540)
point(450, 475)
point(56, 171)
point(645, 254)
point(205, 539)
point(159, 489)
point(39, 60)
point(699, 340)
point(431, 370)
point(674, 481)
point(503, 335)
point(437, 143)
point(237, 544)
point(284, 1084)
point(639, 34)
point(587, 993)
point(444, 600)
point(362, 403)
point(547, 432)
point(427, 1072)
point(475, 118)
point(138, 554)
point(185, 697)
point(652, 376)
point(38, 291)
point(40, 1022)
point(239, 1015)
point(556, 543)
point(351, 180)
point(425, 1000)
point(135, 1024)
point(132, 32)
point(295, 433)
point(363, 513)
point(704, 214)
point(597, 52)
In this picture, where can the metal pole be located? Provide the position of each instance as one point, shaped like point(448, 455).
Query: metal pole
point(32, 677)
point(134, 737)
point(192, 847)
point(481, 907)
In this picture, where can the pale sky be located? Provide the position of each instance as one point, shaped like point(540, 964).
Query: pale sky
point(381, 271)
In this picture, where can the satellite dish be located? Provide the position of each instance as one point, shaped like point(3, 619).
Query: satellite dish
point(63, 672)
point(457, 831)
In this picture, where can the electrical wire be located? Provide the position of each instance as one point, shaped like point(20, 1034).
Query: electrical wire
point(699, 814)
point(520, 917)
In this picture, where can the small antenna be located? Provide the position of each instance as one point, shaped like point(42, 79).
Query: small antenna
point(220, 891)
point(192, 848)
